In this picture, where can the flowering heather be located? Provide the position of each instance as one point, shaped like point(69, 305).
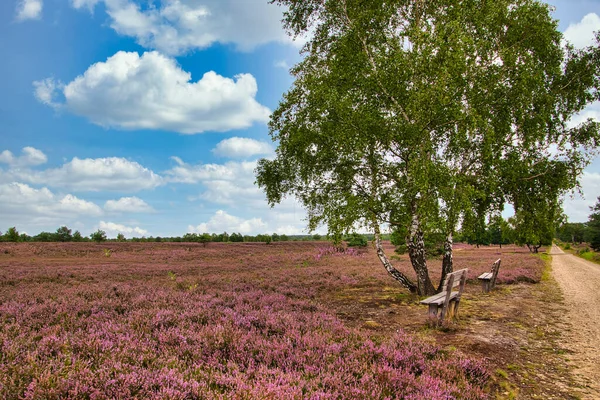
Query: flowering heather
point(229, 321)
point(331, 250)
point(518, 265)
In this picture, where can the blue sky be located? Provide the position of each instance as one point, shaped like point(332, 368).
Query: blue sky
point(147, 117)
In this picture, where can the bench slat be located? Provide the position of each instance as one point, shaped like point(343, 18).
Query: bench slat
point(485, 276)
point(457, 278)
point(439, 298)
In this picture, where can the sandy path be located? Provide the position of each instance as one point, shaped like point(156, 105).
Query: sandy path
point(579, 280)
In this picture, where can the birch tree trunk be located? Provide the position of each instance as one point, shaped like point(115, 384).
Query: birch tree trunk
point(447, 260)
point(416, 251)
point(397, 275)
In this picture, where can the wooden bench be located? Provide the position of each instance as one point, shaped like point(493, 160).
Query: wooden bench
point(488, 279)
point(447, 301)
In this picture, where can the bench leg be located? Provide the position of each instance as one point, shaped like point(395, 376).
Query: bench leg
point(485, 286)
point(433, 314)
point(454, 306)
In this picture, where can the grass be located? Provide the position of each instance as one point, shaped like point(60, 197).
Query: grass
point(582, 250)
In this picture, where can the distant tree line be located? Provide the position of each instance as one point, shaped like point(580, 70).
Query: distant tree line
point(580, 232)
point(495, 231)
point(479, 230)
point(64, 234)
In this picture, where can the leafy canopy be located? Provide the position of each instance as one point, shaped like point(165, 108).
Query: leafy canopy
point(403, 107)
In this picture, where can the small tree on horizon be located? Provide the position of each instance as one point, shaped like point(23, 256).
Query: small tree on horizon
point(594, 226)
point(77, 236)
point(12, 235)
point(63, 234)
point(98, 236)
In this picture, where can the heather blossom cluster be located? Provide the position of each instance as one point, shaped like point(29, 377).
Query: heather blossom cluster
point(339, 251)
point(220, 322)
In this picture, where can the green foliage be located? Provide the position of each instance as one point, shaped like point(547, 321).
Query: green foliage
point(121, 237)
point(496, 231)
point(572, 232)
point(45, 237)
point(236, 237)
point(77, 237)
point(594, 226)
point(434, 243)
point(356, 240)
point(190, 237)
point(425, 114)
point(500, 231)
point(474, 229)
point(205, 238)
point(98, 236)
point(11, 235)
point(63, 234)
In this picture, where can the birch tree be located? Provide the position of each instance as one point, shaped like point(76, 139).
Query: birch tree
point(409, 114)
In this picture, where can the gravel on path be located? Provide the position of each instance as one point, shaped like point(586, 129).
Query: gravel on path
point(579, 280)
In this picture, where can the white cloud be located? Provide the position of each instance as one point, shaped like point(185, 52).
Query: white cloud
point(578, 208)
point(94, 174)
point(282, 64)
point(45, 91)
point(224, 184)
point(112, 229)
point(591, 112)
point(18, 200)
point(153, 92)
point(89, 4)
point(178, 26)
point(230, 171)
point(222, 221)
point(581, 34)
point(29, 9)
point(232, 185)
point(237, 147)
point(128, 204)
point(30, 157)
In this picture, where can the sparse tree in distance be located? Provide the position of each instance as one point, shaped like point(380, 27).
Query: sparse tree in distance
point(594, 226)
point(12, 235)
point(98, 236)
point(574, 232)
point(77, 236)
point(120, 237)
point(500, 232)
point(63, 234)
point(407, 114)
point(205, 239)
point(236, 237)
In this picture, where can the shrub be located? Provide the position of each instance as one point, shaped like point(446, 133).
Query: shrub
point(98, 236)
point(63, 234)
point(356, 240)
point(12, 235)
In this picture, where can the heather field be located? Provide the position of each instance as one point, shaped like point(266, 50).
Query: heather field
point(226, 321)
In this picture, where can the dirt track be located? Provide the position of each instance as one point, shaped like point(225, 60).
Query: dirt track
point(580, 282)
